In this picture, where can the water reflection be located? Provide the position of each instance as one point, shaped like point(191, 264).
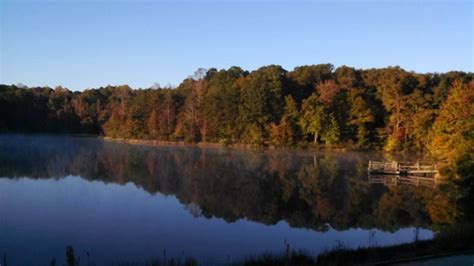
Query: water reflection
point(396, 180)
point(306, 190)
point(316, 191)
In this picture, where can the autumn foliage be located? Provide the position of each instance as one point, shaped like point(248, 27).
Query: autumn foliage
point(387, 108)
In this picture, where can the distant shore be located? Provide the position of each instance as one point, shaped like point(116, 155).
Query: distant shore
point(220, 145)
point(173, 143)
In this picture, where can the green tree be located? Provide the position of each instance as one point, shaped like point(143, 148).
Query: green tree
point(312, 117)
point(331, 133)
point(152, 125)
point(347, 77)
point(170, 101)
point(290, 129)
point(452, 135)
point(114, 126)
point(287, 133)
point(192, 124)
point(261, 101)
point(360, 116)
point(135, 124)
point(221, 103)
point(305, 78)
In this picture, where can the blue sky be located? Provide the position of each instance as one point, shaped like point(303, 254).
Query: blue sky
point(83, 44)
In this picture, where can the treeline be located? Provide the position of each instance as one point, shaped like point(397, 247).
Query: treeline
point(317, 104)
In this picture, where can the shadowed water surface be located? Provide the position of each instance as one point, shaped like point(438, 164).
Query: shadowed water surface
point(121, 202)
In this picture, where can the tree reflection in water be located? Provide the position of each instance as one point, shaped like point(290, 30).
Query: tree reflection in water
point(306, 189)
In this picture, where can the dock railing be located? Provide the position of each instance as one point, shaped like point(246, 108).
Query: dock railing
point(395, 173)
point(402, 168)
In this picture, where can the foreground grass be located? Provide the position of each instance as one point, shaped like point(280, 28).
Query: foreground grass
point(445, 244)
point(295, 258)
point(458, 239)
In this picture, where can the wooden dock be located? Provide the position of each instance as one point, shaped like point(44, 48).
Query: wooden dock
point(396, 168)
point(394, 180)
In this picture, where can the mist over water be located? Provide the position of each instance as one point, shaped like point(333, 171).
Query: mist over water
point(123, 202)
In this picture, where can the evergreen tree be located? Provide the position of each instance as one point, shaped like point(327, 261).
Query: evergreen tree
point(135, 125)
point(289, 123)
point(152, 125)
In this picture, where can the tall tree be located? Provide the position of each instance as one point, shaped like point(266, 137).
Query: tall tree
point(305, 78)
point(261, 101)
point(193, 126)
point(360, 117)
point(221, 103)
point(452, 134)
point(331, 133)
point(152, 124)
point(290, 129)
point(312, 117)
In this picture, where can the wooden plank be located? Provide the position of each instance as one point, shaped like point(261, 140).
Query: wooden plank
point(422, 171)
point(401, 168)
point(395, 180)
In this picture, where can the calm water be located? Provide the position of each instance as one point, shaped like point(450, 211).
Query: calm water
point(124, 202)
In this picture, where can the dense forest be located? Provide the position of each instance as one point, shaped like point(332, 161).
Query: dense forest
point(316, 105)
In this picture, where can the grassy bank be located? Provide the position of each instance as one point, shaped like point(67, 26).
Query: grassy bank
point(455, 240)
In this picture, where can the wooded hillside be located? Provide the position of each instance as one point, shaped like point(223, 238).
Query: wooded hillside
point(386, 108)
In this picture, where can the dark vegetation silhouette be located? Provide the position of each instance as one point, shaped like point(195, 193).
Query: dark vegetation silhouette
point(71, 259)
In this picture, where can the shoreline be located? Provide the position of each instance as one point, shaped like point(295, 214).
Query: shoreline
point(237, 146)
point(234, 146)
point(162, 142)
point(216, 145)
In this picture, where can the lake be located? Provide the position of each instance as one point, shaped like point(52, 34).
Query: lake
point(131, 203)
